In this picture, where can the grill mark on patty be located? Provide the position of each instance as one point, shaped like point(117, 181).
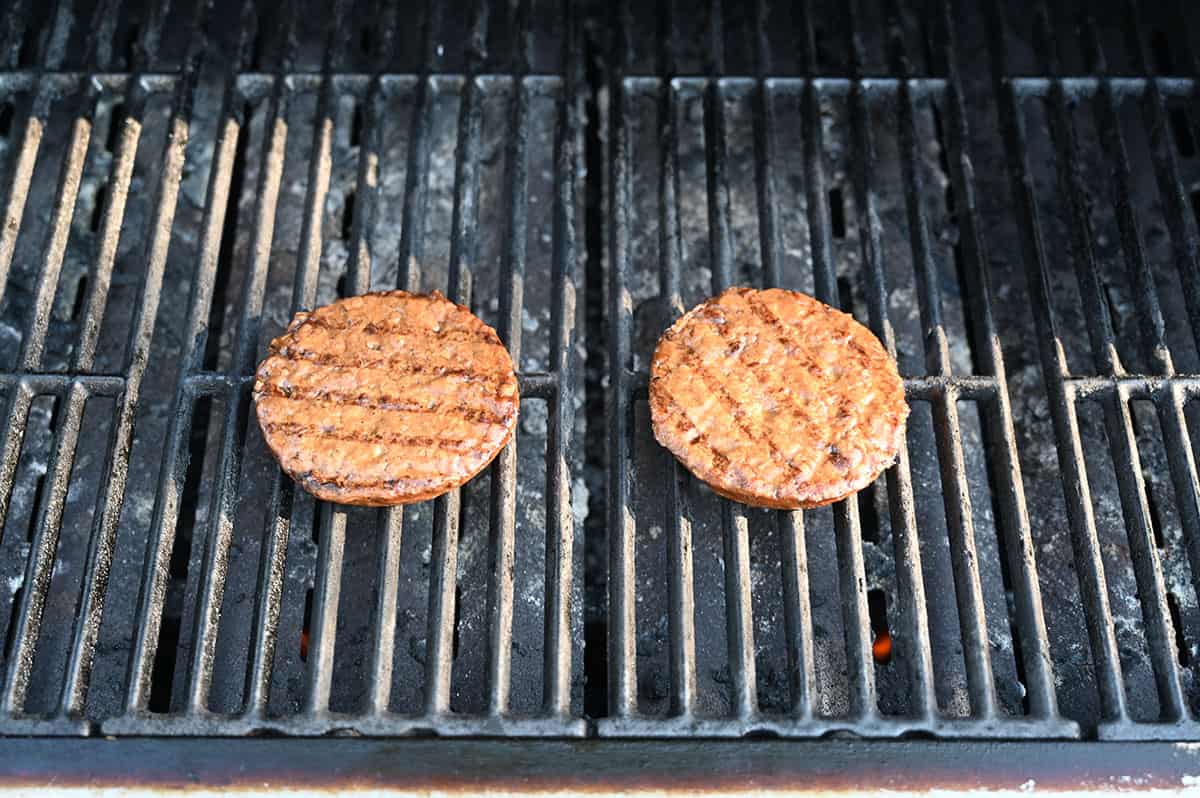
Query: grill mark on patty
point(396, 368)
point(342, 486)
point(860, 409)
point(720, 461)
point(782, 398)
point(442, 332)
point(297, 429)
point(837, 458)
point(773, 322)
point(691, 358)
point(377, 402)
point(778, 326)
point(431, 376)
point(768, 317)
point(829, 312)
point(436, 405)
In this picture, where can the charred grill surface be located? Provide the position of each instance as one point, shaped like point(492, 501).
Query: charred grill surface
point(1006, 195)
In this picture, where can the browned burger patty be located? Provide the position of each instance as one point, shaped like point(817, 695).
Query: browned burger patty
point(386, 398)
point(776, 399)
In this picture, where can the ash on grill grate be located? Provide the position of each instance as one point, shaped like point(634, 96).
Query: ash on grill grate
point(296, 187)
point(878, 197)
point(1019, 228)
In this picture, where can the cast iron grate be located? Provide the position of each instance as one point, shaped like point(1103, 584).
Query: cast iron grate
point(1019, 228)
point(217, 604)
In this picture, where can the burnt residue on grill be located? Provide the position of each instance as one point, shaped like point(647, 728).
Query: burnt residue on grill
point(1007, 197)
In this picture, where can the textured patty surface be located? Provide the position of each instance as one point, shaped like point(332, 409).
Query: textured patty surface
point(776, 399)
point(386, 398)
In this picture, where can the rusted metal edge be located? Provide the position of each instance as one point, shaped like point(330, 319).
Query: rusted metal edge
point(424, 766)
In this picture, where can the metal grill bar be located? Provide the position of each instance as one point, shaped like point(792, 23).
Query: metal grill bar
point(1079, 505)
point(56, 237)
point(1177, 210)
point(1136, 387)
point(269, 588)
point(104, 22)
point(957, 502)
point(1147, 570)
point(409, 276)
point(213, 569)
point(681, 582)
point(14, 33)
point(54, 84)
point(790, 525)
point(1180, 459)
point(390, 521)
point(512, 291)
point(57, 382)
point(18, 186)
point(332, 535)
point(1100, 330)
point(174, 467)
point(41, 558)
point(443, 575)
point(31, 138)
point(379, 689)
point(441, 604)
point(906, 545)
point(86, 624)
point(851, 577)
point(104, 531)
point(560, 529)
point(622, 666)
point(118, 193)
point(412, 232)
point(326, 595)
point(320, 166)
point(1015, 528)
point(1099, 326)
point(20, 397)
point(963, 554)
point(275, 551)
point(1120, 193)
point(1182, 464)
point(739, 620)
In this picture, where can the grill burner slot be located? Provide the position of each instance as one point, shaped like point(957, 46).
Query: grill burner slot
point(162, 680)
point(881, 647)
point(10, 635)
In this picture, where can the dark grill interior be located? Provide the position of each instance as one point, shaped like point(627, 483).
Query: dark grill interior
point(1007, 195)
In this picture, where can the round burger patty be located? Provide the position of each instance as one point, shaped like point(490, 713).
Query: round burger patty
point(776, 399)
point(386, 398)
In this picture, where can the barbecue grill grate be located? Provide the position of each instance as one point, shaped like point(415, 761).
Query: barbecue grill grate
point(1020, 231)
